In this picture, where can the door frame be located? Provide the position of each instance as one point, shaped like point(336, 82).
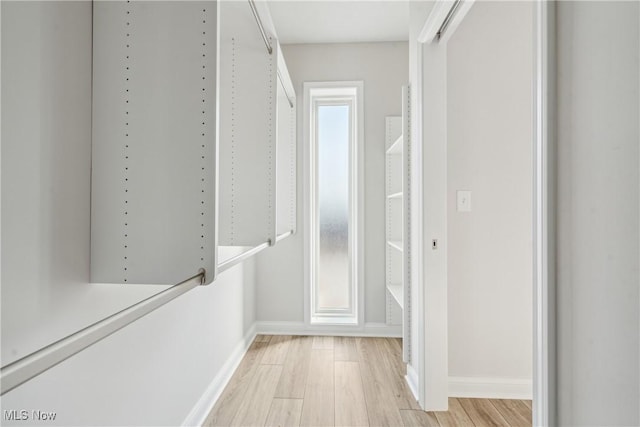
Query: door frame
point(544, 184)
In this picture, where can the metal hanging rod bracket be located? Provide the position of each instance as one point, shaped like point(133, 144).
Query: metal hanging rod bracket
point(260, 26)
point(32, 365)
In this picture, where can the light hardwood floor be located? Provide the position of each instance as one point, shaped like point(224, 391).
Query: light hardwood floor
point(341, 381)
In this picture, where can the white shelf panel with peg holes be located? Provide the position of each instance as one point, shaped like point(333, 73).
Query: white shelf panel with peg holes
point(398, 256)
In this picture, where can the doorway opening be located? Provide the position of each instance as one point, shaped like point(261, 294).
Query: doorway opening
point(462, 135)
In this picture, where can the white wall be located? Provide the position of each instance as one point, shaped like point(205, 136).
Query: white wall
point(384, 69)
point(152, 372)
point(490, 153)
point(46, 164)
point(598, 279)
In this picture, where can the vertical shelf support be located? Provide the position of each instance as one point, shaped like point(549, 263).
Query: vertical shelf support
point(398, 220)
point(406, 177)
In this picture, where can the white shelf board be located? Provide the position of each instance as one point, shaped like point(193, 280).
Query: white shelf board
point(396, 147)
point(397, 195)
point(397, 292)
point(396, 244)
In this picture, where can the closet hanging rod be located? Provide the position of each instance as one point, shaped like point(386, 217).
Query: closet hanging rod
point(227, 264)
point(284, 235)
point(260, 26)
point(285, 89)
point(32, 365)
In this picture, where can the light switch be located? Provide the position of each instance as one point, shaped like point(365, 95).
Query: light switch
point(464, 201)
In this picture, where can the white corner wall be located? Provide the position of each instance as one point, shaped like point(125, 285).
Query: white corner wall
point(384, 69)
point(598, 305)
point(490, 153)
point(161, 370)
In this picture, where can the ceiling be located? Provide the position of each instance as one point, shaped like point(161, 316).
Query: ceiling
point(347, 21)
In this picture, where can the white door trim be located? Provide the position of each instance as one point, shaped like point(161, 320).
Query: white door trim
point(544, 322)
point(438, 15)
point(416, 370)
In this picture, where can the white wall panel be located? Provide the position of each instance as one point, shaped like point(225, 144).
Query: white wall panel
point(46, 171)
point(154, 121)
point(247, 132)
point(286, 154)
point(598, 221)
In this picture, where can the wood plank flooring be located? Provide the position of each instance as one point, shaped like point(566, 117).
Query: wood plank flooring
point(341, 381)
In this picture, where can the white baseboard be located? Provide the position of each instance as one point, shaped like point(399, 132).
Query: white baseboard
point(412, 381)
point(203, 407)
point(491, 388)
point(301, 328)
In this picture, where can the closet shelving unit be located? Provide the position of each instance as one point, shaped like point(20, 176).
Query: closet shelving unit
point(194, 169)
point(256, 160)
point(394, 213)
point(397, 221)
point(153, 183)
